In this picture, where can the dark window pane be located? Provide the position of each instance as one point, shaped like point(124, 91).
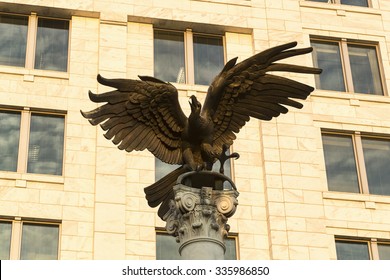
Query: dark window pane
point(384, 251)
point(327, 57)
point(9, 140)
point(52, 45)
point(208, 58)
point(5, 240)
point(168, 249)
point(340, 163)
point(46, 145)
point(227, 170)
point(231, 251)
point(361, 3)
point(13, 40)
point(169, 56)
point(377, 161)
point(348, 250)
point(39, 242)
point(162, 169)
point(365, 70)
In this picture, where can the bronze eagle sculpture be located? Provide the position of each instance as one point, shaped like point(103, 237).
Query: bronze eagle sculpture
point(146, 114)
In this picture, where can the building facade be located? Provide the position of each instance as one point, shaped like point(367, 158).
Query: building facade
point(314, 183)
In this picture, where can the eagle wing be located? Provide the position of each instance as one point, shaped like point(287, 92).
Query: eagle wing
point(247, 89)
point(141, 114)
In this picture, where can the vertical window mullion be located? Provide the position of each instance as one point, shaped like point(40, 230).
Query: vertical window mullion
point(24, 139)
point(374, 249)
point(189, 56)
point(31, 39)
point(224, 48)
point(360, 163)
point(347, 66)
point(16, 238)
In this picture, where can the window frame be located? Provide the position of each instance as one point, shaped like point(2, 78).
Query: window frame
point(24, 137)
point(17, 229)
point(189, 63)
point(372, 244)
point(343, 44)
point(358, 155)
point(32, 31)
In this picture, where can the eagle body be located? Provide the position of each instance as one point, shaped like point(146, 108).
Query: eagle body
point(198, 152)
point(146, 114)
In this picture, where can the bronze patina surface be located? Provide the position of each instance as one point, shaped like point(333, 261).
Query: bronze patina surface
point(145, 114)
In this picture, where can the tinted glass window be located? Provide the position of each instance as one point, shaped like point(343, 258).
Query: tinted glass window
point(377, 162)
point(46, 146)
point(208, 58)
point(365, 70)
point(13, 38)
point(340, 163)
point(5, 240)
point(52, 45)
point(169, 56)
point(384, 251)
point(327, 57)
point(9, 140)
point(361, 3)
point(39, 242)
point(348, 250)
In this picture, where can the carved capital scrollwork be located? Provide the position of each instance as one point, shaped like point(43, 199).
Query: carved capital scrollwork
point(200, 215)
point(226, 204)
point(186, 201)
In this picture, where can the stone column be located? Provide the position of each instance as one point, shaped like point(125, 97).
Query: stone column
point(198, 217)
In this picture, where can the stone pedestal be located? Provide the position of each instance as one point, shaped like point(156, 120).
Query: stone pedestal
point(198, 216)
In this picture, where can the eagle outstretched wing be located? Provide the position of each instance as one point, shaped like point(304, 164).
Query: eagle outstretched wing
point(141, 114)
point(247, 89)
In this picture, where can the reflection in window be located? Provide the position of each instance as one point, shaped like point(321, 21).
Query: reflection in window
point(46, 144)
point(208, 58)
point(9, 140)
point(365, 70)
point(5, 240)
point(327, 57)
point(185, 57)
point(359, 73)
point(168, 249)
point(377, 162)
point(340, 163)
point(39, 242)
point(169, 56)
point(162, 168)
point(52, 45)
point(350, 250)
point(13, 38)
point(361, 3)
point(384, 251)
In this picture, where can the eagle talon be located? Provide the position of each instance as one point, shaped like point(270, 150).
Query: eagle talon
point(223, 157)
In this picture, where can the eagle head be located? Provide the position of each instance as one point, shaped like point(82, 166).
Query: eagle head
point(195, 105)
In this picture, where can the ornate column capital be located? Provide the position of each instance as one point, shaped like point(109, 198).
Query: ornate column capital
point(200, 215)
